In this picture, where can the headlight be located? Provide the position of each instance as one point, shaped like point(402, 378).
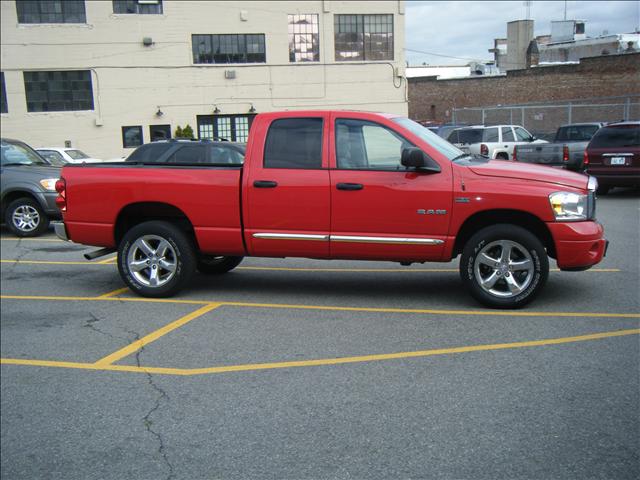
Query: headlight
point(569, 206)
point(49, 184)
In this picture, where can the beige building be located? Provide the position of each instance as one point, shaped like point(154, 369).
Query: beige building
point(106, 76)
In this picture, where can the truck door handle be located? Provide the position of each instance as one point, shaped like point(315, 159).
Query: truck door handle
point(265, 184)
point(349, 186)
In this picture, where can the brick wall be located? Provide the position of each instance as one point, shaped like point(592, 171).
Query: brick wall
point(614, 75)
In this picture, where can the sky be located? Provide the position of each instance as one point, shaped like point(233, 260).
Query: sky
point(467, 29)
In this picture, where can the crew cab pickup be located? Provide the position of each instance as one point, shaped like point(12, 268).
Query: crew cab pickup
point(336, 185)
point(566, 151)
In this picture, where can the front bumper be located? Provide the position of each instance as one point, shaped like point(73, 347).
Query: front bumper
point(579, 245)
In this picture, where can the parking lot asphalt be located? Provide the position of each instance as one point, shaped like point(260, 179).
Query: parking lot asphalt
point(295, 368)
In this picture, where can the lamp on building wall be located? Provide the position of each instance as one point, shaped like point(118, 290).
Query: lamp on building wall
point(159, 113)
point(216, 110)
point(252, 109)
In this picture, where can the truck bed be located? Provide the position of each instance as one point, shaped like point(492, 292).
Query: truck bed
point(209, 196)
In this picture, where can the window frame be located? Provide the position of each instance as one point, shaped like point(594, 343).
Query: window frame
point(4, 104)
point(64, 5)
point(362, 23)
point(31, 78)
point(224, 39)
point(138, 7)
point(292, 35)
point(124, 138)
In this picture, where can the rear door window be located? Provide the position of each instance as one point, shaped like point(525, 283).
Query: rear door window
point(470, 136)
point(614, 137)
point(490, 135)
point(294, 143)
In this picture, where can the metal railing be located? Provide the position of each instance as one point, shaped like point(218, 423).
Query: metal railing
point(544, 118)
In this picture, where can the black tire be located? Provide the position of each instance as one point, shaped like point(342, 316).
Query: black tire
point(602, 190)
point(163, 269)
point(216, 265)
point(502, 156)
point(25, 218)
point(504, 266)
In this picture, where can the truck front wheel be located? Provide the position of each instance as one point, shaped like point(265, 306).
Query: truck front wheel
point(504, 266)
point(156, 259)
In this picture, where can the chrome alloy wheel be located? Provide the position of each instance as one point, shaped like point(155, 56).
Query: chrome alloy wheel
point(152, 261)
point(26, 218)
point(504, 268)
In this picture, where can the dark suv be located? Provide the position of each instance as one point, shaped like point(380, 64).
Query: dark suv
point(28, 194)
point(189, 152)
point(613, 156)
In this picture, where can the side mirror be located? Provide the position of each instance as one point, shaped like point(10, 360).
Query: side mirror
point(415, 158)
point(532, 138)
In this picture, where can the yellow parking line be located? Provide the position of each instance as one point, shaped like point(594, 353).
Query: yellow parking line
point(113, 261)
point(153, 336)
point(487, 312)
point(323, 361)
point(109, 261)
point(114, 293)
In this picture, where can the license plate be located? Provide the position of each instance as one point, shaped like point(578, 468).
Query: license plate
point(618, 160)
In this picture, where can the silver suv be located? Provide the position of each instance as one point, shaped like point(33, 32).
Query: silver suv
point(495, 141)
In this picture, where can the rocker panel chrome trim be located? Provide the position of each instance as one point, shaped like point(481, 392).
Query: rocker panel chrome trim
point(291, 236)
point(386, 240)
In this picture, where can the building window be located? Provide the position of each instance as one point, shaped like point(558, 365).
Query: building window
point(141, 7)
point(51, 11)
point(58, 91)
point(3, 95)
point(131, 136)
point(159, 132)
point(304, 42)
point(363, 37)
point(234, 128)
point(235, 48)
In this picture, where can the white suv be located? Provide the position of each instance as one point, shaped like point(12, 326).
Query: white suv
point(496, 141)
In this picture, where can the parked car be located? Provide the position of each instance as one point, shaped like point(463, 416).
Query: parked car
point(567, 149)
point(613, 156)
point(189, 151)
point(28, 196)
point(496, 141)
point(69, 155)
point(446, 128)
point(389, 190)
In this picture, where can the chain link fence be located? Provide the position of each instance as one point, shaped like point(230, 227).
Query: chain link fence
point(543, 119)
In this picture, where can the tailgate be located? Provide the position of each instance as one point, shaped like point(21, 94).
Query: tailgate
point(549, 154)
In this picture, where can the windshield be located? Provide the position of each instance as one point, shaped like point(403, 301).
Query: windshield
point(439, 143)
point(18, 153)
point(77, 154)
point(619, 136)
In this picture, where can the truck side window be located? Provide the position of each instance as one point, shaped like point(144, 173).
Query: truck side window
point(366, 145)
point(491, 135)
point(522, 135)
point(294, 143)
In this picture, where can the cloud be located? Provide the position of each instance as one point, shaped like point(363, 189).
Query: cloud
point(467, 29)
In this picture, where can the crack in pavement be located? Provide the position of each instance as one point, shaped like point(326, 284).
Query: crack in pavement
point(146, 420)
point(90, 324)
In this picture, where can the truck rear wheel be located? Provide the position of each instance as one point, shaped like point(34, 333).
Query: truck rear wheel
point(504, 266)
point(156, 259)
point(216, 265)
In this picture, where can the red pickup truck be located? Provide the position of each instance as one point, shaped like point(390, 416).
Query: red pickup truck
point(337, 185)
